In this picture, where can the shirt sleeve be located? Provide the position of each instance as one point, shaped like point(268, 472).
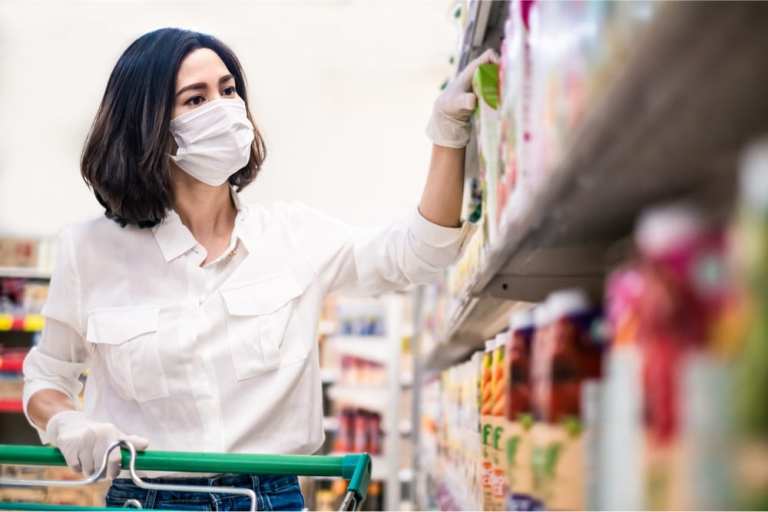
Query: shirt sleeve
point(374, 261)
point(61, 356)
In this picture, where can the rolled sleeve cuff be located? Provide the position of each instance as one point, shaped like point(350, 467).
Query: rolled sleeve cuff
point(435, 235)
point(44, 372)
point(30, 388)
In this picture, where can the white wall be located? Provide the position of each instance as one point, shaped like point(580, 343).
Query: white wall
point(341, 89)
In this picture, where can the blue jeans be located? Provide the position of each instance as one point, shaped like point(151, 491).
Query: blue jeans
point(273, 492)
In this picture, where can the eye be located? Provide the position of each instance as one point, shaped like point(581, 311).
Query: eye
point(230, 91)
point(194, 100)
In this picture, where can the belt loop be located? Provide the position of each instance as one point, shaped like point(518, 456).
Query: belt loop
point(151, 499)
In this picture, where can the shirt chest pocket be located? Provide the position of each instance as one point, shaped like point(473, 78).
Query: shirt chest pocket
point(127, 340)
point(262, 329)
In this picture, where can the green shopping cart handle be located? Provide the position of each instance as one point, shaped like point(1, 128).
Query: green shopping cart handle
point(354, 467)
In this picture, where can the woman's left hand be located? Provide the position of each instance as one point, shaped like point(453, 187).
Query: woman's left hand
point(449, 124)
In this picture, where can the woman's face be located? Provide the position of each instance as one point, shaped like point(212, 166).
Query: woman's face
point(202, 77)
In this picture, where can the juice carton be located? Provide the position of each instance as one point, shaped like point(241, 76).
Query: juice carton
point(487, 425)
point(518, 414)
point(565, 358)
point(497, 419)
point(684, 290)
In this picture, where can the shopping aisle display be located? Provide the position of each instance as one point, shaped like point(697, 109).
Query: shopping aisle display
point(600, 344)
point(25, 267)
point(367, 364)
point(656, 404)
point(24, 270)
point(601, 108)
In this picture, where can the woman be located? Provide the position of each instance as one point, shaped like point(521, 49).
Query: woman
point(195, 314)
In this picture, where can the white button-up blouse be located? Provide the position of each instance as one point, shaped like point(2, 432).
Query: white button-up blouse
point(221, 357)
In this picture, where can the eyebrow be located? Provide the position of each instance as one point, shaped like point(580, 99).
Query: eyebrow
point(202, 85)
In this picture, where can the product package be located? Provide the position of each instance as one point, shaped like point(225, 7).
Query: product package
point(566, 357)
point(519, 418)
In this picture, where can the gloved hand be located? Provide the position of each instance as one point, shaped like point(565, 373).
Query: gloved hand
point(449, 124)
point(83, 442)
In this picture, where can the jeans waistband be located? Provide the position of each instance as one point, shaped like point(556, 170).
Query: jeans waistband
point(265, 483)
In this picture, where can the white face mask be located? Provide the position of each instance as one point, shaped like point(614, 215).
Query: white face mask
point(214, 140)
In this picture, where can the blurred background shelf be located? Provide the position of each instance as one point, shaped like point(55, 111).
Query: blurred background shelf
point(376, 349)
point(25, 323)
point(11, 406)
point(24, 272)
point(374, 399)
point(642, 144)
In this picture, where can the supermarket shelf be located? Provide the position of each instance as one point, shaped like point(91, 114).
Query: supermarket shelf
point(372, 399)
point(330, 424)
point(404, 427)
point(26, 323)
point(329, 376)
point(484, 30)
point(669, 128)
point(377, 349)
point(326, 328)
point(25, 272)
point(11, 406)
point(379, 469)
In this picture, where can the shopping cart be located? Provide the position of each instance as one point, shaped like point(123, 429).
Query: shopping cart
point(356, 468)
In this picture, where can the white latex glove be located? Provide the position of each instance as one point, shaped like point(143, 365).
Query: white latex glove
point(449, 124)
point(83, 442)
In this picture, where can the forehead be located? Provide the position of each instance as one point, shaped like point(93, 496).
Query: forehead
point(200, 65)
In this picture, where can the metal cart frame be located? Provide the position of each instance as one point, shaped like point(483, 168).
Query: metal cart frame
point(356, 468)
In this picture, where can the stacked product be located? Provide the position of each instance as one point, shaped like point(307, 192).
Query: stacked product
point(685, 394)
point(565, 363)
point(577, 49)
point(11, 379)
point(665, 307)
point(25, 253)
point(359, 372)
point(664, 409)
point(557, 60)
point(459, 468)
point(22, 296)
point(493, 392)
point(524, 400)
point(359, 432)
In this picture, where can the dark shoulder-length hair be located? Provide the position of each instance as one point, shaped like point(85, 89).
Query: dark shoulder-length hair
point(125, 160)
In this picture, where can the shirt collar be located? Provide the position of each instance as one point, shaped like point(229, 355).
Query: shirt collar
point(175, 239)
